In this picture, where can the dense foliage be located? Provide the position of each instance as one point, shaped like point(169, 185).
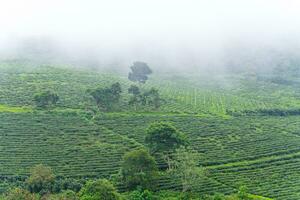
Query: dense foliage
point(164, 137)
point(107, 98)
point(139, 170)
point(44, 99)
point(41, 179)
point(99, 190)
point(139, 72)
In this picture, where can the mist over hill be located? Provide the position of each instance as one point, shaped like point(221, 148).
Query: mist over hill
point(198, 36)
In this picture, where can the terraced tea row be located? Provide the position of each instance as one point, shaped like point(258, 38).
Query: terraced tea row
point(193, 95)
point(68, 143)
point(219, 140)
point(278, 179)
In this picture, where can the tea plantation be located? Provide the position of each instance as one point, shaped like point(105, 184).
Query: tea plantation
point(238, 144)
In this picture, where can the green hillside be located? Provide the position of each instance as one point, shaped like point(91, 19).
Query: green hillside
point(246, 127)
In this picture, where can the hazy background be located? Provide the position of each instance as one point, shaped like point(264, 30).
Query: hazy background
point(211, 35)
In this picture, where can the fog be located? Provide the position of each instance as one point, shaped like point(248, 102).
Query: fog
point(198, 35)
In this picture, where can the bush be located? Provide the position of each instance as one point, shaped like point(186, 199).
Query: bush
point(140, 194)
point(20, 194)
point(45, 99)
point(99, 190)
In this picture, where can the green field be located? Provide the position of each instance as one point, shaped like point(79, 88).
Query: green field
point(237, 148)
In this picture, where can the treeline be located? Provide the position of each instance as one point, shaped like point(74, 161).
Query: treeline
point(137, 178)
point(108, 98)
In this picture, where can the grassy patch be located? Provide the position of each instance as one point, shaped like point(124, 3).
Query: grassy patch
point(14, 109)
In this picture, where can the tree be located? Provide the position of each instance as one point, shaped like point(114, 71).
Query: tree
point(152, 98)
point(164, 137)
point(243, 193)
point(45, 99)
point(116, 91)
point(107, 98)
point(149, 97)
point(20, 194)
point(99, 190)
point(184, 167)
point(139, 72)
point(135, 99)
point(140, 194)
point(41, 179)
point(135, 90)
point(139, 169)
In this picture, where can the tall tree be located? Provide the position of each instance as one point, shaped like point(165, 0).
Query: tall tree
point(164, 137)
point(184, 168)
point(135, 99)
point(139, 72)
point(41, 179)
point(139, 169)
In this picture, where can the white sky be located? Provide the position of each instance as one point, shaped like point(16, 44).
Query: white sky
point(145, 18)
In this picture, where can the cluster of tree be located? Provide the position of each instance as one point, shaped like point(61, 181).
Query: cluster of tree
point(108, 98)
point(139, 169)
point(139, 73)
point(46, 99)
point(147, 98)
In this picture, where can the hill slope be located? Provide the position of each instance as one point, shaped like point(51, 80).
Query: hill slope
point(257, 150)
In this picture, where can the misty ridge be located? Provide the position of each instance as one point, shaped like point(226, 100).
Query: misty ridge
point(235, 57)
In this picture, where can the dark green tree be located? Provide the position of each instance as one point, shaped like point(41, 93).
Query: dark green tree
point(133, 89)
point(164, 137)
point(45, 99)
point(139, 169)
point(107, 98)
point(99, 190)
point(139, 72)
point(135, 99)
point(148, 98)
point(152, 98)
point(140, 194)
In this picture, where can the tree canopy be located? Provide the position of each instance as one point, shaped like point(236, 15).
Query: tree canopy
point(184, 167)
point(41, 178)
point(146, 98)
point(139, 169)
point(99, 190)
point(107, 98)
point(164, 137)
point(139, 72)
point(44, 99)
